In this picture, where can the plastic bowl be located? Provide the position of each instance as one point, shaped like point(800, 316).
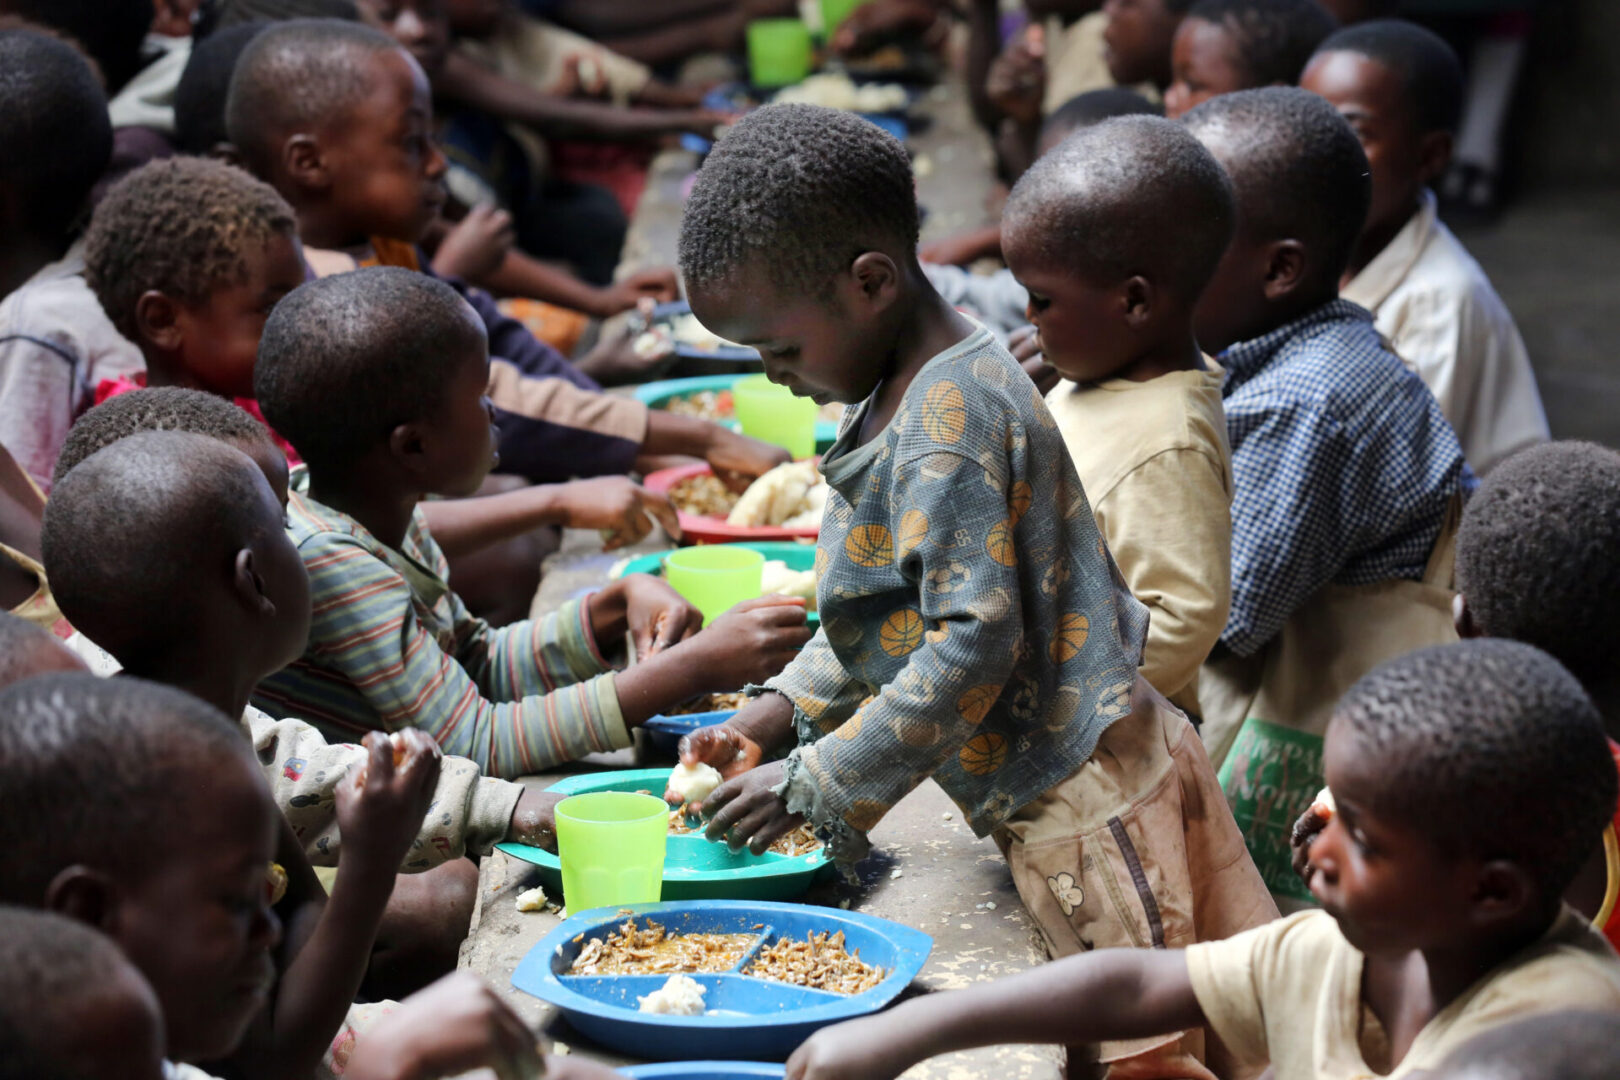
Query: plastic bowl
point(706, 1070)
point(758, 1020)
point(694, 868)
point(714, 530)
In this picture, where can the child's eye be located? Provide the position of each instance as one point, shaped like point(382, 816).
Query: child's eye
point(785, 353)
point(1039, 302)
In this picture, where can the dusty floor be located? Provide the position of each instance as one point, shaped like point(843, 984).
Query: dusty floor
point(1555, 259)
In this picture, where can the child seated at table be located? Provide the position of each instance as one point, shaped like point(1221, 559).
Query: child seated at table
point(1347, 480)
point(102, 766)
point(1402, 88)
point(354, 156)
point(54, 339)
point(1227, 45)
point(1470, 782)
point(71, 1005)
point(974, 628)
point(377, 377)
point(1112, 294)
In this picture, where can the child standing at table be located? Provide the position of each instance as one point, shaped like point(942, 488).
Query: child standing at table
point(974, 628)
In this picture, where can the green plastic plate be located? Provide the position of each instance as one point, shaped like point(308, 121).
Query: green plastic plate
point(657, 395)
point(694, 868)
point(797, 557)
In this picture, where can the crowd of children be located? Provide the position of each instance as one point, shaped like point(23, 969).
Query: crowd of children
point(1232, 485)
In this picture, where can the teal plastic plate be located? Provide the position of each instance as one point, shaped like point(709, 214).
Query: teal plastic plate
point(797, 557)
point(657, 395)
point(694, 868)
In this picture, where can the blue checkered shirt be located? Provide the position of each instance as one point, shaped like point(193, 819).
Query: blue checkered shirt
point(1342, 467)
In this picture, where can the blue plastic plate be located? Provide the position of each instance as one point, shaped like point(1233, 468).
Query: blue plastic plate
point(666, 731)
point(751, 1019)
point(797, 556)
point(705, 1070)
point(695, 868)
point(657, 395)
point(740, 354)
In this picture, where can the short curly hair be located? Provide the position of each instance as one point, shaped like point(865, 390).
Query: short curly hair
point(1296, 166)
point(797, 192)
point(95, 765)
point(1490, 749)
point(1427, 65)
point(346, 359)
point(158, 408)
point(1274, 39)
point(1096, 205)
point(1536, 557)
point(183, 227)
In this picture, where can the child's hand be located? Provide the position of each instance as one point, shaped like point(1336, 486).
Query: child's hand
point(747, 810)
point(452, 1027)
point(534, 820)
point(622, 509)
point(382, 801)
point(656, 615)
point(854, 1050)
point(658, 285)
point(750, 643)
point(723, 747)
point(615, 359)
point(1306, 829)
point(731, 452)
point(1016, 82)
point(476, 245)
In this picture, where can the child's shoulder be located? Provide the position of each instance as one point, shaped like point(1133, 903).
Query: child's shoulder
point(971, 397)
point(1338, 363)
point(1447, 275)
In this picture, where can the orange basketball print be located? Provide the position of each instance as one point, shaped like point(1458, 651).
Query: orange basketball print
point(902, 632)
point(944, 415)
point(1000, 544)
point(913, 531)
point(974, 705)
point(983, 754)
point(1069, 637)
point(869, 545)
point(1018, 500)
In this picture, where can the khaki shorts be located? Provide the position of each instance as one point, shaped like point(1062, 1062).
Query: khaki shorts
point(1136, 849)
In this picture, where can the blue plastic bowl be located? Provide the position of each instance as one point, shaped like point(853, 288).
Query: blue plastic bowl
point(665, 732)
point(705, 1070)
point(758, 1020)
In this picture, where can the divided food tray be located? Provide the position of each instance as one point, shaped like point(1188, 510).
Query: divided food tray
point(695, 868)
point(752, 1018)
point(658, 395)
point(714, 530)
point(705, 1070)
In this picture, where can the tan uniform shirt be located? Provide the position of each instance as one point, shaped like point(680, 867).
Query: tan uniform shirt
point(1155, 464)
point(1291, 991)
point(1433, 303)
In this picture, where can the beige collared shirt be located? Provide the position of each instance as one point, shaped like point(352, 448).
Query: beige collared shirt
point(1436, 307)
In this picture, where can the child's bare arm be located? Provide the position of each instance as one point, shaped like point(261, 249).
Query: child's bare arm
point(1110, 994)
point(629, 511)
point(380, 810)
point(671, 433)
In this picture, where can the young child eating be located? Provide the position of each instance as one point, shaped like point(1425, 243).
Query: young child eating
point(54, 341)
point(71, 1006)
point(1227, 45)
point(974, 628)
point(1346, 477)
point(354, 155)
point(1401, 88)
point(1471, 781)
point(1112, 295)
point(378, 377)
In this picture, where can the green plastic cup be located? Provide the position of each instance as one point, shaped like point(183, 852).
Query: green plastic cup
point(770, 412)
point(779, 51)
point(611, 846)
point(834, 12)
point(715, 578)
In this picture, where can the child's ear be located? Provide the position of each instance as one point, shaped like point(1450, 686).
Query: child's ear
point(304, 162)
point(1285, 268)
point(1136, 298)
point(1503, 891)
point(1434, 156)
point(86, 895)
point(249, 586)
point(407, 447)
point(876, 276)
point(229, 154)
point(1462, 618)
point(157, 319)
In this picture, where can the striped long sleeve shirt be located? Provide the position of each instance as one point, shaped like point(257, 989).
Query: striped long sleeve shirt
point(392, 646)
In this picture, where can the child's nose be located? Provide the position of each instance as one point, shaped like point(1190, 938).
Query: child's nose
point(437, 165)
